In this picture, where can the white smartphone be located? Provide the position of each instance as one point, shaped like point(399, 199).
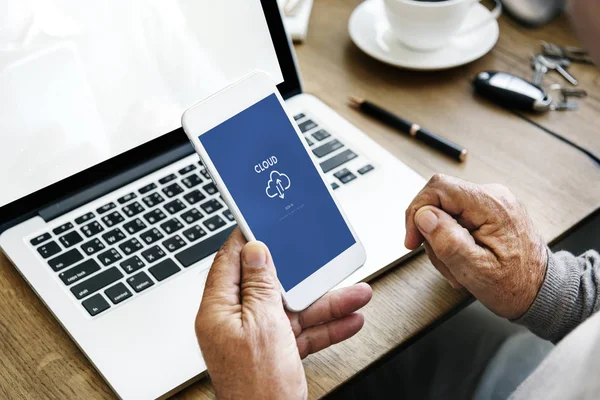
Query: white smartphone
point(261, 164)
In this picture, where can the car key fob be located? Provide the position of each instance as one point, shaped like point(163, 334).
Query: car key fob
point(511, 91)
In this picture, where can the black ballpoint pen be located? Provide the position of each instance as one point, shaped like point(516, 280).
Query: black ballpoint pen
point(431, 139)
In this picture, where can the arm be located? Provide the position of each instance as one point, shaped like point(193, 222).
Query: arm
point(569, 295)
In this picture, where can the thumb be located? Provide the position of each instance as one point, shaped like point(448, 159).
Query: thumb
point(259, 282)
point(452, 244)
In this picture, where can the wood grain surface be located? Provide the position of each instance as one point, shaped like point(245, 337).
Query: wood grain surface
point(557, 184)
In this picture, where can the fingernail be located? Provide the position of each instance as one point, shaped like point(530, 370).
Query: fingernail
point(255, 255)
point(426, 221)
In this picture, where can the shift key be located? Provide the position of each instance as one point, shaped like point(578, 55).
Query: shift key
point(96, 283)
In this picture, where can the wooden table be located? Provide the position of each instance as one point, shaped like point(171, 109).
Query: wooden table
point(558, 184)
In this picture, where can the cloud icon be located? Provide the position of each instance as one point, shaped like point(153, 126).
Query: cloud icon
point(278, 184)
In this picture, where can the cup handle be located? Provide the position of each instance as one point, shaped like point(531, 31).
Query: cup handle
point(494, 14)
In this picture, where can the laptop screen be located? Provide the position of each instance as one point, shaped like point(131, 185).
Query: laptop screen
point(82, 82)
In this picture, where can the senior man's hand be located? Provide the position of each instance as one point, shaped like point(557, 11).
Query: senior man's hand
point(479, 237)
point(253, 347)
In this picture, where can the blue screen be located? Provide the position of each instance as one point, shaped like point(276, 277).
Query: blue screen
point(278, 190)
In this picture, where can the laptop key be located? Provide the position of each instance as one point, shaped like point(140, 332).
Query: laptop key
point(211, 206)
point(192, 216)
point(321, 135)
point(194, 197)
point(126, 198)
point(96, 282)
point(335, 186)
point(106, 208)
point(63, 228)
point(92, 247)
point(187, 169)
point(65, 260)
point(345, 175)
point(153, 254)
point(299, 116)
point(205, 174)
point(49, 249)
point(112, 219)
point(327, 148)
point(132, 264)
point(307, 125)
point(130, 246)
point(365, 169)
point(117, 293)
point(210, 188)
point(153, 199)
point(79, 272)
point(174, 244)
point(151, 236)
point(95, 305)
point(214, 223)
point(154, 216)
point(71, 239)
point(140, 282)
point(172, 190)
point(194, 233)
point(191, 180)
point(109, 257)
point(347, 178)
point(40, 239)
point(203, 249)
point(114, 236)
point(133, 209)
point(135, 226)
point(175, 206)
point(338, 160)
point(228, 215)
point(92, 229)
point(164, 269)
point(147, 188)
point(172, 225)
point(84, 218)
point(341, 173)
point(167, 179)
point(310, 142)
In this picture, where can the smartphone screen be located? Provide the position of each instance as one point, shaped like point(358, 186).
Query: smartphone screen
point(278, 190)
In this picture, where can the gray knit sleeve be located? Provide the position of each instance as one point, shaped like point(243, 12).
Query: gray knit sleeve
point(569, 295)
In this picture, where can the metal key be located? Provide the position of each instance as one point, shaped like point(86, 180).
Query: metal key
point(572, 53)
point(539, 70)
point(555, 66)
point(573, 93)
point(564, 107)
point(562, 61)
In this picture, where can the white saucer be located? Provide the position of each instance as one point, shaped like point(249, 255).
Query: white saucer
point(369, 28)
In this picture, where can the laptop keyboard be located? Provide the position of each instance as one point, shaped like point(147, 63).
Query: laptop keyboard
point(330, 152)
point(137, 241)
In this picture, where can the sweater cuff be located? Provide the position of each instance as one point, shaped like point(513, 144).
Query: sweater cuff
point(551, 316)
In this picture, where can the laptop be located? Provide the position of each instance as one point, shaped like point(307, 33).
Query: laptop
point(106, 210)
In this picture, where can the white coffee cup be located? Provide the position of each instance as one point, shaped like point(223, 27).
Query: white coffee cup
point(428, 26)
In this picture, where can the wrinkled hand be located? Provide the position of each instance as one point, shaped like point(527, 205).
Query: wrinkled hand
point(253, 347)
point(479, 237)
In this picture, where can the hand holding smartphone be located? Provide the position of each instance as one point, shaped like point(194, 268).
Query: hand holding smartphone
point(262, 167)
